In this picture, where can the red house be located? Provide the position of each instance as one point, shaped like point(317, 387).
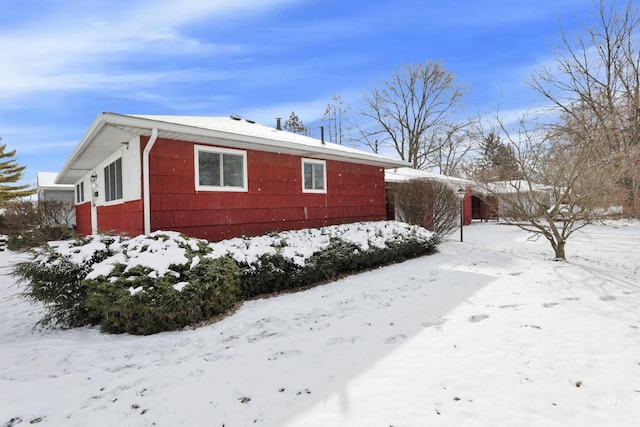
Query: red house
point(217, 177)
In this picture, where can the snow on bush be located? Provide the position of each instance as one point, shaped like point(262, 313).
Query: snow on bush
point(300, 245)
point(160, 250)
point(165, 280)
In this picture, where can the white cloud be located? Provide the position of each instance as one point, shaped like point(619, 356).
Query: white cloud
point(77, 48)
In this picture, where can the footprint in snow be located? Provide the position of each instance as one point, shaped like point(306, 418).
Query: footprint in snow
point(395, 338)
point(477, 318)
point(216, 357)
point(284, 354)
point(607, 298)
point(342, 340)
point(436, 323)
point(549, 304)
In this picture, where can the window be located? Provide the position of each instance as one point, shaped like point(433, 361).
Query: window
point(220, 169)
point(314, 177)
point(80, 193)
point(113, 181)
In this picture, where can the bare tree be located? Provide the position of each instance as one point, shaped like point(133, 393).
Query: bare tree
point(29, 223)
point(559, 183)
point(453, 142)
point(411, 111)
point(335, 118)
point(595, 83)
point(584, 151)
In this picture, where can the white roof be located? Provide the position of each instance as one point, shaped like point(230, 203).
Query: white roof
point(496, 187)
point(47, 181)
point(406, 174)
point(515, 186)
point(109, 130)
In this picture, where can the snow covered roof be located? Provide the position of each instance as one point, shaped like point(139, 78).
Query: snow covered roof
point(497, 187)
point(515, 186)
point(109, 131)
point(406, 174)
point(46, 181)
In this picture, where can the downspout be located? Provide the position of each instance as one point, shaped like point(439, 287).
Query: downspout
point(145, 180)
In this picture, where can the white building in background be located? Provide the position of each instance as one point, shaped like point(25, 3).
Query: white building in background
point(49, 190)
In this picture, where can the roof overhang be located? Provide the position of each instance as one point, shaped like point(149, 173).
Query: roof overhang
point(408, 174)
point(109, 131)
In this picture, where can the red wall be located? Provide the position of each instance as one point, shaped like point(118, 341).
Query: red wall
point(126, 218)
point(467, 211)
point(83, 218)
point(274, 200)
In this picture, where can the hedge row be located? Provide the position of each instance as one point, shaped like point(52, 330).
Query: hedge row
point(167, 281)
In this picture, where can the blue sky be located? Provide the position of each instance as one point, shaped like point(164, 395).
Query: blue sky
point(64, 62)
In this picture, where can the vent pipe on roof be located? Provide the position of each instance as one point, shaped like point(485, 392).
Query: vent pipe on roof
point(278, 126)
point(322, 134)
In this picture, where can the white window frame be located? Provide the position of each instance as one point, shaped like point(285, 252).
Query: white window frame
point(118, 179)
point(324, 176)
point(201, 187)
point(80, 193)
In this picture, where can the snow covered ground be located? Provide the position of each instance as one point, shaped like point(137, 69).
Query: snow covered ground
point(489, 332)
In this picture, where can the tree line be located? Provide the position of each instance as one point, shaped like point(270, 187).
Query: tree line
point(582, 146)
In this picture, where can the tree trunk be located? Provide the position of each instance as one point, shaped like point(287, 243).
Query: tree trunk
point(559, 248)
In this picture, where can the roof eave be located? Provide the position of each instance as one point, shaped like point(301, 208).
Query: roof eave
point(265, 143)
point(143, 126)
point(98, 123)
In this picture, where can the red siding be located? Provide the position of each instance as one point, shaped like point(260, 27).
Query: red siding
point(83, 218)
point(126, 218)
point(274, 200)
point(468, 217)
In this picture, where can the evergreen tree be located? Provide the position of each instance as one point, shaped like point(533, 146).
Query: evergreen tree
point(294, 124)
point(498, 159)
point(10, 173)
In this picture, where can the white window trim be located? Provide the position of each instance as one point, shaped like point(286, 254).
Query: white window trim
point(196, 159)
point(324, 176)
point(79, 195)
point(103, 187)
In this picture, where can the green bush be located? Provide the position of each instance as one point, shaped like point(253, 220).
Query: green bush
point(271, 273)
point(57, 282)
point(142, 300)
point(140, 304)
point(274, 273)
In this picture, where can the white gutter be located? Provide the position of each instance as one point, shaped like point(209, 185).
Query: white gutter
point(145, 180)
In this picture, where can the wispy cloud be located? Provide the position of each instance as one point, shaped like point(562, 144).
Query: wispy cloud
point(79, 48)
point(30, 139)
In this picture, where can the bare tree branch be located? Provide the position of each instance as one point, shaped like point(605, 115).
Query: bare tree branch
point(412, 112)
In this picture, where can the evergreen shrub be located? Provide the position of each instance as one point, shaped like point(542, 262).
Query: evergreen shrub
point(56, 281)
point(140, 304)
point(104, 280)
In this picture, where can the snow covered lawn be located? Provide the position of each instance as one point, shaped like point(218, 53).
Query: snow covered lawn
point(488, 332)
